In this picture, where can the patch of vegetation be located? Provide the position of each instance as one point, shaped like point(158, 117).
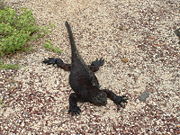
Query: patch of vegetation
point(50, 47)
point(1, 103)
point(27, 49)
point(8, 66)
point(17, 28)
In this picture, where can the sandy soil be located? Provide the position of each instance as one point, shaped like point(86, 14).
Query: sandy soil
point(142, 60)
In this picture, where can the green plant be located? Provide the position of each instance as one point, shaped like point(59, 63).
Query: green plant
point(1, 103)
point(17, 29)
point(8, 66)
point(49, 46)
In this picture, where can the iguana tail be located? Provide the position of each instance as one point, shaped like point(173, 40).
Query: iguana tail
point(74, 50)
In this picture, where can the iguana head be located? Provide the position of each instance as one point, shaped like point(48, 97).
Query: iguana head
point(99, 99)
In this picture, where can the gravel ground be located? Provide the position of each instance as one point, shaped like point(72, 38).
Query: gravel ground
point(135, 37)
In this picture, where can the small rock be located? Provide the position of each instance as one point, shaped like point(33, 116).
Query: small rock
point(125, 60)
point(177, 32)
point(144, 96)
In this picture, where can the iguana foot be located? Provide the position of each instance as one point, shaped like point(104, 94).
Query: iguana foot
point(58, 62)
point(95, 65)
point(121, 101)
point(74, 110)
point(98, 63)
point(51, 61)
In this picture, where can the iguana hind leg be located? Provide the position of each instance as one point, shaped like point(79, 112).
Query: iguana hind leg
point(95, 65)
point(58, 62)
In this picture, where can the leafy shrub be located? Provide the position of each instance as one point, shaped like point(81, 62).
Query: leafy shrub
point(16, 29)
point(49, 46)
point(8, 66)
point(1, 103)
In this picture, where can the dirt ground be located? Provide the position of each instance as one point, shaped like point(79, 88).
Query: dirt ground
point(142, 60)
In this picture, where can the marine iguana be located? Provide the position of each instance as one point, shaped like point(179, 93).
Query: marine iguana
point(83, 81)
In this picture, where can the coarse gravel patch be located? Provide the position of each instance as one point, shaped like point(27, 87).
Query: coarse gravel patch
point(142, 55)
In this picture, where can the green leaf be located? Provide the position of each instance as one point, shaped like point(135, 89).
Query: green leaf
point(49, 46)
point(17, 28)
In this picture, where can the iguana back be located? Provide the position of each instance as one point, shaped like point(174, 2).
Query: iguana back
point(81, 77)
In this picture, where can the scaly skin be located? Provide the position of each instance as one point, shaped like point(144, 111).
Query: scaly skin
point(83, 81)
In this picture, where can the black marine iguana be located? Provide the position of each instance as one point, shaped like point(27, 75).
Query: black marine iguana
point(83, 80)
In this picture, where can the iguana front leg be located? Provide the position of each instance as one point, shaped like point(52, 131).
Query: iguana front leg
point(120, 101)
point(73, 108)
point(95, 65)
